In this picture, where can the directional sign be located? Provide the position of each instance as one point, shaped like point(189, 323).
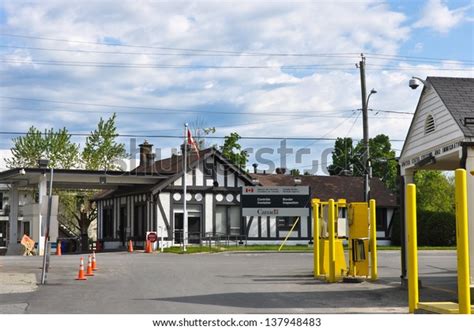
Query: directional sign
point(277, 201)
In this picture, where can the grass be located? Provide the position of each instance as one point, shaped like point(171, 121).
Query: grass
point(288, 248)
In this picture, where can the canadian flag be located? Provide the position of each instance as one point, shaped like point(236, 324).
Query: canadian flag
point(193, 142)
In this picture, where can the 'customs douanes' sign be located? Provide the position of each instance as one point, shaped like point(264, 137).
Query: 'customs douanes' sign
point(275, 201)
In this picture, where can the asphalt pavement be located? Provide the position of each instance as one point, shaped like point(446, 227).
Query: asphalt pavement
point(214, 283)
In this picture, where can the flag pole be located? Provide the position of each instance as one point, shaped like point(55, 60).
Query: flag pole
point(185, 211)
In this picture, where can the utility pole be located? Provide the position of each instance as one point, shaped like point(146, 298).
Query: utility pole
point(365, 124)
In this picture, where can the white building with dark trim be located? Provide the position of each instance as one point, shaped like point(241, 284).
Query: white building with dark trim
point(213, 203)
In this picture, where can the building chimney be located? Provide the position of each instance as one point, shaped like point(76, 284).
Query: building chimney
point(255, 165)
point(145, 153)
point(280, 170)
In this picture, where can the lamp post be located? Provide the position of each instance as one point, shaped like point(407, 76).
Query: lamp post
point(46, 255)
point(367, 162)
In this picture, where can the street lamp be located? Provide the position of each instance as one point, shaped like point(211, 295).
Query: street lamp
point(43, 163)
point(367, 163)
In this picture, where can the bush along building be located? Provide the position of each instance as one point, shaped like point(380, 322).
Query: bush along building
point(214, 187)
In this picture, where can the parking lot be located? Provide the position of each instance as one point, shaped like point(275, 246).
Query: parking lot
point(213, 283)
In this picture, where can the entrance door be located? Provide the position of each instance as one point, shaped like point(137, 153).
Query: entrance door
point(178, 228)
point(194, 228)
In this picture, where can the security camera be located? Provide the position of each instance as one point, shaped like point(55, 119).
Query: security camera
point(413, 83)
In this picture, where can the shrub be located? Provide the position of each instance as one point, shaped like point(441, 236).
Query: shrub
point(434, 229)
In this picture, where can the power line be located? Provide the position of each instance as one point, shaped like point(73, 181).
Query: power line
point(177, 66)
point(325, 67)
point(207, 137)
point(237, 53)
point(141, 113)
point(172, 48)
point(279, 113)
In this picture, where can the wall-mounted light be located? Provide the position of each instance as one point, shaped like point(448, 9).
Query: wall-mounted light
point(103, 180)
point(297, 181)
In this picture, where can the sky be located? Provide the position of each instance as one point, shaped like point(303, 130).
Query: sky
point(281, 69)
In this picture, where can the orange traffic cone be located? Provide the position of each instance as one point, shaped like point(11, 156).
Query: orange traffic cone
point(148, 247)
point(130, 246)
point(58, 249)
point(94, 262)
point(89, 271)
point(81, 276)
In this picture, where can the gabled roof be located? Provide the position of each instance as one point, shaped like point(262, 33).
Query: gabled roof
point(457, 95)
point(170, 169)
point(325, 187)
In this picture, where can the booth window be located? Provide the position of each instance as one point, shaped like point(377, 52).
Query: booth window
point(285, 223)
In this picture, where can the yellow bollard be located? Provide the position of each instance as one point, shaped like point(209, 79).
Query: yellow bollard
point(413, 295)
point(464, 292)
point(332, 245)
point(373, 241)
point(315, 204)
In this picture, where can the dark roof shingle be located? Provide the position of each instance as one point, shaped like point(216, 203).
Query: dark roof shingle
point(325, 187)
point(457, 95)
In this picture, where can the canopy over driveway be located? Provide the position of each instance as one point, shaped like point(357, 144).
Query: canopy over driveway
point(18, 178)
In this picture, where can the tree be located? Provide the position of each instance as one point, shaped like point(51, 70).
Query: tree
point(295, 172)
point(232, 150)
point(348, 160)
point(54, 146)
point(101, 151)
point(342, 157)
point(435, 191)
point(200, 131)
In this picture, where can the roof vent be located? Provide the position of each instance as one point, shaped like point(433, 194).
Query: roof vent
point(429, 124)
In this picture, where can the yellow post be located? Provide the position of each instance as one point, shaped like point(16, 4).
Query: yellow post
point(373, 241)
point(332, 245)
point(315, 204)
point(413, 295)
point(464, 292)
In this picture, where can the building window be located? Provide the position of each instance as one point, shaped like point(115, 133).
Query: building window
point(108, 222)
point(285, 223)
point(429, 124)
point(228, 220)
point(1, 201)
point(26, 228)
point(381, 219)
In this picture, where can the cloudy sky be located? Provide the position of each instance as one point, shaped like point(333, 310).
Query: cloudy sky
point(260, 68)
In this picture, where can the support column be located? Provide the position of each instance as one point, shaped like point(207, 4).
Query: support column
point(470, 207)
point(13, 246)
point(407, 178)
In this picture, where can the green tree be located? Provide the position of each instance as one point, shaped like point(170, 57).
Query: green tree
point(295, 172)
point(348, 160)
point(435, 191)
point(57, 147)
point(232, 150)
point(101, 151)
point(342, 157)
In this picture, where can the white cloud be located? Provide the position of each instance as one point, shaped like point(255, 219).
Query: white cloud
point(437, 16)
point(243, 26)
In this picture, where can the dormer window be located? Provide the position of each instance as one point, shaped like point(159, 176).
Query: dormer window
point(429, 124)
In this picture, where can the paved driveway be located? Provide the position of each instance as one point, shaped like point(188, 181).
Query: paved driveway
point(216, 283)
